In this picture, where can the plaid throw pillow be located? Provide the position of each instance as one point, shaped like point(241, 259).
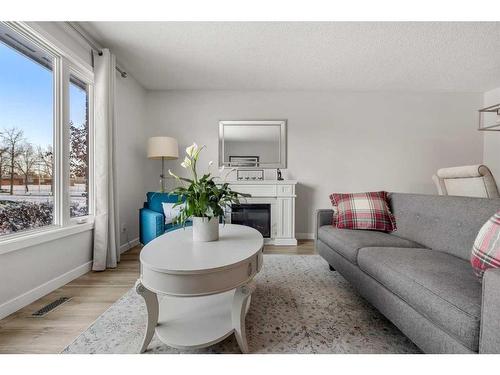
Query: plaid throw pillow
point(363, 211)
point(486, 249)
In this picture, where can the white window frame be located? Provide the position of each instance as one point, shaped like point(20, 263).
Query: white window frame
point(65, 64)
point(89, 81)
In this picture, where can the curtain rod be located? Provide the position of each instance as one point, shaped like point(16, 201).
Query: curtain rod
point(94, 47)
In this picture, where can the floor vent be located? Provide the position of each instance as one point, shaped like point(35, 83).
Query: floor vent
point(51, 306)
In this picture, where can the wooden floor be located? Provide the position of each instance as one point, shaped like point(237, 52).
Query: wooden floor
point(91, 295)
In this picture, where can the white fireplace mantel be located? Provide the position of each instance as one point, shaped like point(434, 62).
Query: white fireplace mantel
point(281, 197)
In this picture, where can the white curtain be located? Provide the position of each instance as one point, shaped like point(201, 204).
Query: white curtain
point(106, 243)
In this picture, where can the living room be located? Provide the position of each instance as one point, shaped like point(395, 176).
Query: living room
point(232, 186)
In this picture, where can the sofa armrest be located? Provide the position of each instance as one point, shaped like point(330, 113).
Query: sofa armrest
point(489, 340)
point(323, 217)
point(151, 225)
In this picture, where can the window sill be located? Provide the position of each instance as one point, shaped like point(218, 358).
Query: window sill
point(39, 236)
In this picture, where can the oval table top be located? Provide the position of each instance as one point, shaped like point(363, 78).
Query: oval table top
point(176, 252)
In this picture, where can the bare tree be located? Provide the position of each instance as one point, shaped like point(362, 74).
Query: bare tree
point(3, 163)
point(46, 160)
point(26, 162)
point(12, 139)
point(78, 154)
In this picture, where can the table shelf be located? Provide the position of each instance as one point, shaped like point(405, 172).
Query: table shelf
point(196, 322)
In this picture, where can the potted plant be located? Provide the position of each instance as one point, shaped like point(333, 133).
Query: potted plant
point(201, 199)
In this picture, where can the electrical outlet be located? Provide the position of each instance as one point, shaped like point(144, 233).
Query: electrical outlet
point(124, 227)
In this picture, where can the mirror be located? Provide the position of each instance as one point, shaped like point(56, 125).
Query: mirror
point(252, 144)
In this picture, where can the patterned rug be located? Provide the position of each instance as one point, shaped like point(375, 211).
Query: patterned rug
point(299, 306)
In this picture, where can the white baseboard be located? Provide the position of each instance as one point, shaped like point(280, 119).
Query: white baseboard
point(25, 299)
point(128, 245)
point(280, 241)
point(304, 236)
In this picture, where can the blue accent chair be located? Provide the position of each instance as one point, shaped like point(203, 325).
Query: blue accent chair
point(151, 217)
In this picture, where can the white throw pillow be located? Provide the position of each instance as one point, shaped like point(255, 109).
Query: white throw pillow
point(171, 212)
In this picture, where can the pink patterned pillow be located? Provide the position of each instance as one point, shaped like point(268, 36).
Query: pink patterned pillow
point(486, 249)
point(363, 211)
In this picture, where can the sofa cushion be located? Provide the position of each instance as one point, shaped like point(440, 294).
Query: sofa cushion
point(486, 249)
point(363, 211)
point(347, 242)
point(443, 223)
point(171, 211)
point(155, 200)
point(440, 286)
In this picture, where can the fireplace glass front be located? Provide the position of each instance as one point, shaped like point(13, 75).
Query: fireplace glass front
point(257, 216)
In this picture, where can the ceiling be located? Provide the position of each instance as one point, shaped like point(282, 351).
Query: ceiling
point(356, 56)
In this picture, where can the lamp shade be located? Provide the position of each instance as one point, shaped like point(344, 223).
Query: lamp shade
point(163, 147)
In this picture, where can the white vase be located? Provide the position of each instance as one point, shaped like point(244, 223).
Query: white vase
point(205, 229)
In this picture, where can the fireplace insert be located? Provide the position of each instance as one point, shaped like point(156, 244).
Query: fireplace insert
point(257, 216)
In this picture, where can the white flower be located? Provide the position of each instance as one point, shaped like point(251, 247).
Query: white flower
point(186, 163)
point(210, 163)
point(209, 212)
point(191, 150)
point(229, 171)
point(172, 174)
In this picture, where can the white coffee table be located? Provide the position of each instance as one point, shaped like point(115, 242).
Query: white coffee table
point(198, 293)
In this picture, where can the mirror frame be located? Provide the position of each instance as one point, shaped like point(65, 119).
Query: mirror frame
point(282, 144)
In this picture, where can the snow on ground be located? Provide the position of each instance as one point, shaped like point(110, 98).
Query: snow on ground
point(23, 211)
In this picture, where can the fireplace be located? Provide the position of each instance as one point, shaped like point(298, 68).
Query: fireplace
point(254, 215)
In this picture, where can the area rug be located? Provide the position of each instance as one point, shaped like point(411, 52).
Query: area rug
point(299, 306)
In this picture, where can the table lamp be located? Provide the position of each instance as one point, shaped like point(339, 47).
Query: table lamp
point(164, 148)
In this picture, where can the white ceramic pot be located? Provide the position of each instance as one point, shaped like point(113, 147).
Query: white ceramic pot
point(205, 230)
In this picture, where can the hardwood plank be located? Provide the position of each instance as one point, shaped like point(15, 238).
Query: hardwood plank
point(92, 294)
point(304, 247)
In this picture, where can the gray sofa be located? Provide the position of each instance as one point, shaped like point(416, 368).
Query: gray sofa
point(420, 276)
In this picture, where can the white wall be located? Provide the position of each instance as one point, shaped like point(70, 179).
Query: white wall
point(336, 141)
point(492, 139)
point(30, 273)
point(131, 155)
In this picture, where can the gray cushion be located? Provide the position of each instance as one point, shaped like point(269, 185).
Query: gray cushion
point(440, 286)
point(347, 242)
point(490, 319)
point(444, 223)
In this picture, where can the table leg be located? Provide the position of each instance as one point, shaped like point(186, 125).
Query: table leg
point(239, 310)
point(153, 310)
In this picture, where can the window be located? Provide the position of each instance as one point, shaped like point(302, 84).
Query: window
point(78, 148)
point(45, 132)
point(26, 135)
